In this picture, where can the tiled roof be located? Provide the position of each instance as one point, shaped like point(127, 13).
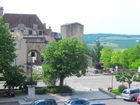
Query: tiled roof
point(27, 19)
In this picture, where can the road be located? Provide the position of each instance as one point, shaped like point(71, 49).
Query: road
point(112, 102)
point(119, 102)
point(94, 82)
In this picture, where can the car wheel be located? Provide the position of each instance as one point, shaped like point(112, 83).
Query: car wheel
point(133, 99)
point(138, 102)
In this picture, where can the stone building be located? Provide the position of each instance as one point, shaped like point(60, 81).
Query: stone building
point(31, 37)
point(72, 30)
point(1, 11)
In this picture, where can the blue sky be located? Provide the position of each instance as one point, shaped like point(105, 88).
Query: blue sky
point(97, 16)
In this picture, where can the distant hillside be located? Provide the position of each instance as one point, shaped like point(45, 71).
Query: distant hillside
point(117, 41)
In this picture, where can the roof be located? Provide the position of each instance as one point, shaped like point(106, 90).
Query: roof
point(71, 24)
point(27, 19)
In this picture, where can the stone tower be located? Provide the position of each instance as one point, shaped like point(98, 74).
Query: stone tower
point(72, 30)
point(1, 11)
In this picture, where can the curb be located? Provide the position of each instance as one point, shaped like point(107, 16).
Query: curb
point(107, 92)
point(10, 102)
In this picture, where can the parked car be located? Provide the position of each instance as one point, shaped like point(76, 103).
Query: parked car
point(44, 102)
point(138, 99)
point(98, 103)
point(76, 101)
point(130, 94)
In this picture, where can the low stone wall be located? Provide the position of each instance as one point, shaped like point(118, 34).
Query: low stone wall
point(107, 92)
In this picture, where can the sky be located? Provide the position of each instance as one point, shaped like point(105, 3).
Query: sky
point(97, 16)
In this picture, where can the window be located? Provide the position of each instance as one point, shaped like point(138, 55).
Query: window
point(32, 54)
point(30, 32)
point(41, 103)
point(40, 32)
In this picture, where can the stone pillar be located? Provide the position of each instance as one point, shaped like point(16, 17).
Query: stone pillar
point(31, 93)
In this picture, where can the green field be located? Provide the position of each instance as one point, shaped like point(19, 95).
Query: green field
point(116, 41)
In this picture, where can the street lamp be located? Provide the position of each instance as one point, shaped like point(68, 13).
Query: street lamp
point(31, 74)
point(31, 85)
point(112, 71)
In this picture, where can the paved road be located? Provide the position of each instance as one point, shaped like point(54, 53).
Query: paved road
point(112, 102)
point(118, 102)
point(94, 82)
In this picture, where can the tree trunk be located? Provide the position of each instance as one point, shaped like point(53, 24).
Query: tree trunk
point(61, 80)
point(129, 85)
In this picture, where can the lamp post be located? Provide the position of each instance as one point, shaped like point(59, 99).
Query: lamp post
point(31, 86)
point(31, 73)
point(112, 71)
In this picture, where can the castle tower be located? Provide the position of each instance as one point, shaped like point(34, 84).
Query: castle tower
point(72, 30)
point(1, 11)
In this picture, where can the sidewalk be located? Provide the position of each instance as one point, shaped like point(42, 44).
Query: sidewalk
point(89, 95)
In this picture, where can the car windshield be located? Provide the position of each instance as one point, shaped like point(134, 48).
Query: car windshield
point(81, 102)
point(126, 92)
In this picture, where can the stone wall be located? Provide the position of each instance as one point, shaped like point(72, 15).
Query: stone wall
point(72, 30)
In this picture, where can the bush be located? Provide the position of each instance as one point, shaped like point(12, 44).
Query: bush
point(2, 79)
point(36, 75)
point(40, 90)
point(59, 89)
point(116, 91)
point(121, 88)
point(137, 79)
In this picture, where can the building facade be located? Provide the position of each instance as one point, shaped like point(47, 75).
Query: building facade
point(72, 30)
point(31, 37)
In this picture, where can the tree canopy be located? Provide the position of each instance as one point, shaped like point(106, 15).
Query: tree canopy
point(95, 52)
point(106, 57)
point(64, 58)
point(13, 74)
point(7, 47)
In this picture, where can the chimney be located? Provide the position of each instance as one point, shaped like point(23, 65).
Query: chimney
point(1, 11)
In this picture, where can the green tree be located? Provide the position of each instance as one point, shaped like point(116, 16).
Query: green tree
point(129, 58)
point(124, 59)
point(14, 76)
point(135, 65)
point(95, 52)
point(7, 47)
point(64, 58)
point(127, 76)
point(98, 48)
point(106, 57)
point(115, 58)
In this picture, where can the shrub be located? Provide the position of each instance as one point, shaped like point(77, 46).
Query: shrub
point(59, 89)
point(40, 90)
point(2, 79)
point(36, 75)
point(137, 79)
point(121, 88)
point(116, 91)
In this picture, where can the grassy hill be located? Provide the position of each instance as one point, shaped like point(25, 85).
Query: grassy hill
point(116, 41)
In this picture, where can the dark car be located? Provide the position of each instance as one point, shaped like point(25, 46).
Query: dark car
point(44, 102)
point(76, 101)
